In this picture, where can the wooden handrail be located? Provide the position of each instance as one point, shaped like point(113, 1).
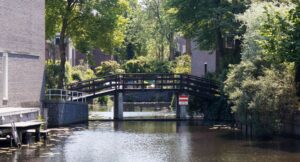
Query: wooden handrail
point(157, 81)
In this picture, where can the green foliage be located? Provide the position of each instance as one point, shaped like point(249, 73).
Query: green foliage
point(161, 29)
point(142, 64)
point(52, 71)
point(160, 66)
point(82, 72)
point(103, 100)
point(137, 32)
point(275, 30)
point(146, 65)
point(108, 68)
point(210, 23)
point(89, 24)
point(150, 31)
point(262, 86)
point(218, 110)
point(139, 65)
point(182, 64)
point(72, 74)
point(202, 18)
point(262, 94)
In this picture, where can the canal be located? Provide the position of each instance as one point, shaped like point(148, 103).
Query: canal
point(152, 141)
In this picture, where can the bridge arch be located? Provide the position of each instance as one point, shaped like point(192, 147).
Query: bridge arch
point(119, 84)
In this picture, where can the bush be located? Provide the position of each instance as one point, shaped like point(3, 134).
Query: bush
point(139, 65)
point(52, 70)
point(109, 68)
point(182, 65)
point(82, 72)
point(147, 65)
point(72, 74)
point(262, 95)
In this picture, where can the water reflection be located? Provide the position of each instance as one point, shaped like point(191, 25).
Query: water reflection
point(129, 141)
point(152, 141)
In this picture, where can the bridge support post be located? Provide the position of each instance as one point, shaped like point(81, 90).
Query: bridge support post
point(118, 106)
point(181, 111)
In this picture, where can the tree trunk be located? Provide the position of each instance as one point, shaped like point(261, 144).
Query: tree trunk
point(62, 43)
point(62, 51)
point(297, 78)
point(171, 46)
point(188, 46)
point(219, 41)
point(162, 51)
point(219, 50)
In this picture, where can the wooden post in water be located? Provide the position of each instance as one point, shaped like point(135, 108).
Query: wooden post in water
point(37, 134)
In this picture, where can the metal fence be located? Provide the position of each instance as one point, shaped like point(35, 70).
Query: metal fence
point(65, 95)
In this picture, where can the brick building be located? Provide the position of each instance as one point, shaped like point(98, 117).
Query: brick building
point(73, 56)
point(22, 46)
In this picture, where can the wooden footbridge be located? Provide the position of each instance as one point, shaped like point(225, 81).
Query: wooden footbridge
point(181, 83)
point(118, 84)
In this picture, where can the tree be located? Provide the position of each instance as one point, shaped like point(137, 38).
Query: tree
point(295, 42)
point(89, 24)
point(261, 87)
point(137, 34)
point(160, 26)
point(210, 23)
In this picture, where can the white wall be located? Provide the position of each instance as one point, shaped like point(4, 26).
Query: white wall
point(199, 58)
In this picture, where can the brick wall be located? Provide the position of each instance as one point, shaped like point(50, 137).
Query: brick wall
point(1, 82)
point(22, 26)
point(25, 80)
point(22, 31)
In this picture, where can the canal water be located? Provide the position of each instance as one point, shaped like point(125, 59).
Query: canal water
point(153, 141)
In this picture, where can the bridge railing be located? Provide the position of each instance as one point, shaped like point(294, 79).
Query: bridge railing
point(136, 82)
point(65, 95)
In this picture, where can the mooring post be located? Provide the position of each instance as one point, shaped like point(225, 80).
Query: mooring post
point(118, 106)
point(37, 134)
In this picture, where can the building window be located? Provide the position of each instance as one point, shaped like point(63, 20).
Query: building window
point(229, 42)
point(57, 39)
point(205, 68)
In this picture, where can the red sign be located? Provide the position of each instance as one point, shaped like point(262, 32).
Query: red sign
point(183, 100)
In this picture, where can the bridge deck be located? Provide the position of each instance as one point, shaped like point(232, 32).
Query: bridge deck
point(147, 82)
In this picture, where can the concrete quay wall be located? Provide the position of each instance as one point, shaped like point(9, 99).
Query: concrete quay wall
point(60, 113)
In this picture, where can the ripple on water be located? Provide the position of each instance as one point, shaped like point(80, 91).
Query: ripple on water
point(151, 142)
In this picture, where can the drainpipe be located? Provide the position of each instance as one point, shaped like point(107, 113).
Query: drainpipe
point(5, 77)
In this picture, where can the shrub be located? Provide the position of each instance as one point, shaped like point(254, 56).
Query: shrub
point(108, 68)
point(182, 64)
